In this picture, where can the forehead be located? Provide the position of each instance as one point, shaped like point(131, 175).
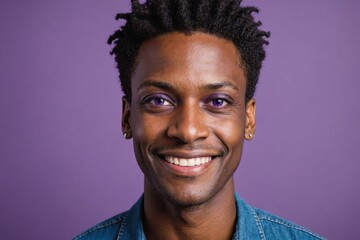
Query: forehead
point(171, 46)
point(194, 58)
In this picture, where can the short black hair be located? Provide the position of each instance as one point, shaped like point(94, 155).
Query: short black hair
point(223, 18)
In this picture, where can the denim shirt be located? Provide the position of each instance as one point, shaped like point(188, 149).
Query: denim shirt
point(251, 223)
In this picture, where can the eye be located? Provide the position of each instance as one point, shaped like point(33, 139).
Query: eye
point(157, 101)
point(218, 102)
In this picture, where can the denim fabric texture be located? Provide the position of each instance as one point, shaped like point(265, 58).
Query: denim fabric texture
point(251, 224)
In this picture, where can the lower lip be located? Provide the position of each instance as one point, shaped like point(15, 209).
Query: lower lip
point(186, 171)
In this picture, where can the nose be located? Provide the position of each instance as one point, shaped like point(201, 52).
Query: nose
point(188, 124)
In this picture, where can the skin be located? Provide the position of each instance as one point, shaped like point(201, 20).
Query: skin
point(188, 96)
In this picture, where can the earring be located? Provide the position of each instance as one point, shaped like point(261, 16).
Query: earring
point(125, 135)
point(250, 135)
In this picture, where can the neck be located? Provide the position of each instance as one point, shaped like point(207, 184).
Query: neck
point(213, 219)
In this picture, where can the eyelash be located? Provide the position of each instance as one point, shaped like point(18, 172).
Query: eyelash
point(224, 100)
point(152, 98)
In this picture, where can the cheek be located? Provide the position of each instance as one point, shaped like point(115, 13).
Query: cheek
point(146, 127)
point(144, 133)
point(231, 130)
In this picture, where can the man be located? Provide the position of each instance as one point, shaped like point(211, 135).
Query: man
point(188, 70)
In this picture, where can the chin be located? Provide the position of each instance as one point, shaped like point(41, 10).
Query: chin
point(187, 198)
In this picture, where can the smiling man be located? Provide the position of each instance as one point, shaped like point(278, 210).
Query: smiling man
point(188, 70)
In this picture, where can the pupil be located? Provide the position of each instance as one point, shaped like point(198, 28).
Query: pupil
point(159, 101)
point(218, 102)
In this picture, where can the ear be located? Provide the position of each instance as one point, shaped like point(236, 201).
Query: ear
point(250, 119)
point(125, 122)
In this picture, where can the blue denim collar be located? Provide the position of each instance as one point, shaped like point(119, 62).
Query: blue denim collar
point(131, 227)
point(248, 225)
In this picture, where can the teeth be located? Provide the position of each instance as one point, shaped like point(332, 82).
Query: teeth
point(198, 161)
point(187, 162)
point(183, 162)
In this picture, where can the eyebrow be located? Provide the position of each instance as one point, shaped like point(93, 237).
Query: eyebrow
point(167, 86)
point(158, 84)
point(214, 86)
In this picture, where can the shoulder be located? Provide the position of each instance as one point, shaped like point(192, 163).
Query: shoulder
point(276, 226)
point(126, 225)
point(108, 229)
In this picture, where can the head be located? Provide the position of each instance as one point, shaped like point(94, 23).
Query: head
point(188, 70)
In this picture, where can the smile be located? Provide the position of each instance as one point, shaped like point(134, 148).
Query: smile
point(187, 162)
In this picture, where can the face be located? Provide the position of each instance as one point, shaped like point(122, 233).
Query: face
point(187, 116)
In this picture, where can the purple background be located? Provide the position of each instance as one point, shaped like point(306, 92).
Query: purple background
point(65, 166)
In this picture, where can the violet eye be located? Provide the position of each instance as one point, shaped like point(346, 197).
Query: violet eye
point(218, 102)
point(159, 101)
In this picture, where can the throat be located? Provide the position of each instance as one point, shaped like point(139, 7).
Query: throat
point(215, 220)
